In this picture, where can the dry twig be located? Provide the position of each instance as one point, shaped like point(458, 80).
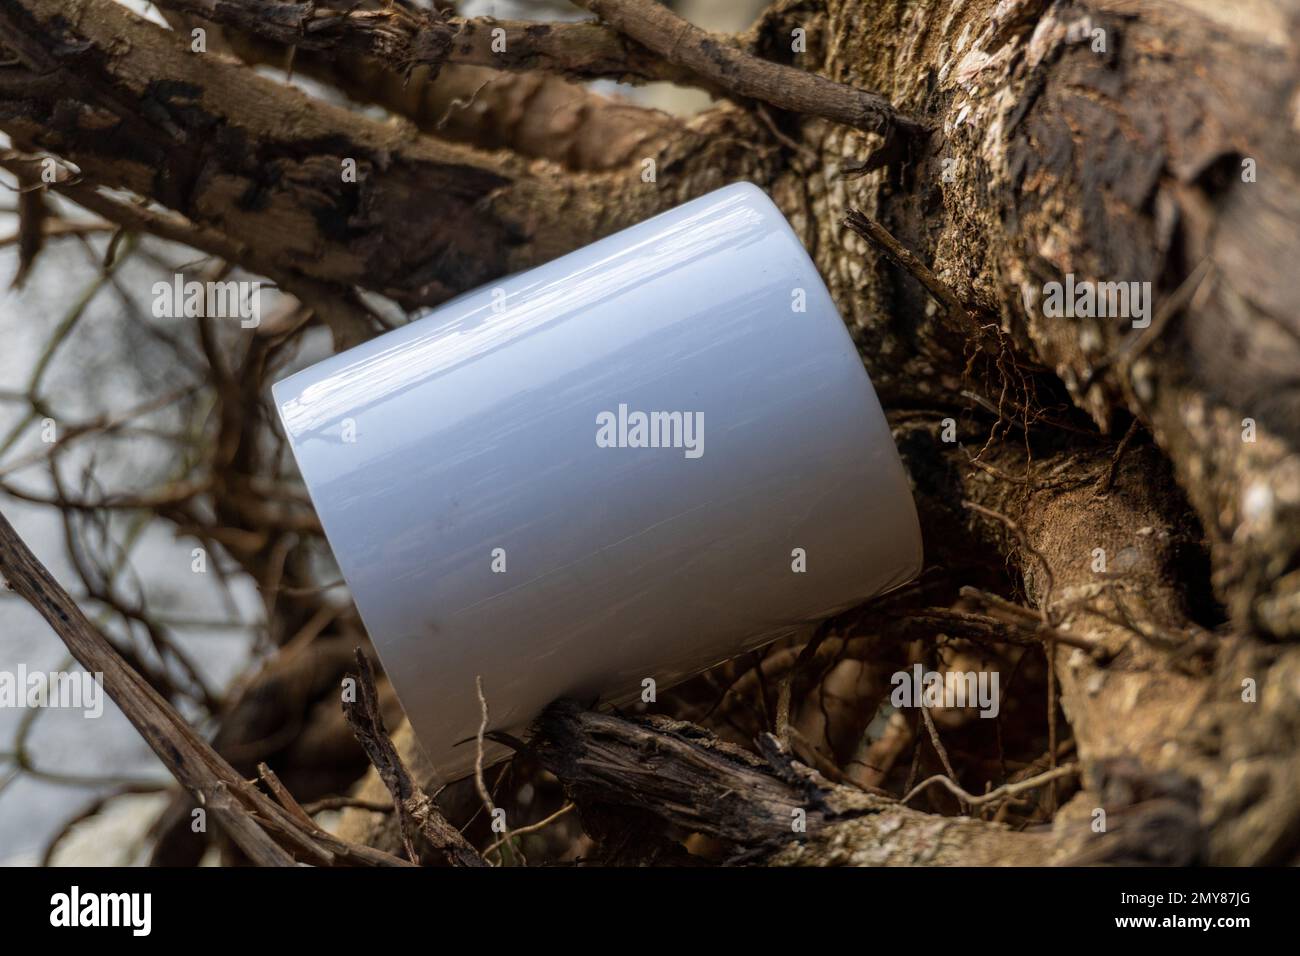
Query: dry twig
point(262, 829)
point(1000, 793)
point(416, 811)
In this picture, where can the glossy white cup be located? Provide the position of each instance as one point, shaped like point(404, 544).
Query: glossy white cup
point(469, 474)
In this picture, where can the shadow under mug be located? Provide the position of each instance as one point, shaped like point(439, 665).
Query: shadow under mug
point(602, 476)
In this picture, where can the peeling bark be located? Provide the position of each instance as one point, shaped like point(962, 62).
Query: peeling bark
point(1116, 166)
point(763, 808)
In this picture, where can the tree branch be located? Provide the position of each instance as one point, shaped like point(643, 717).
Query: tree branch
point(254, 159)
point(739, 73)
point(272, 169)
point(758, 806)
point(416, 810)
point(648, 43)
point(264, 830)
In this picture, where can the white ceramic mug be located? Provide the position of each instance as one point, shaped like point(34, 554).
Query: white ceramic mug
point(626, 465)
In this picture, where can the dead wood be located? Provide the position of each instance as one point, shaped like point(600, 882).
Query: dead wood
point(659, 46)
point(270, 835)
point(763, 808)
point(415, 810)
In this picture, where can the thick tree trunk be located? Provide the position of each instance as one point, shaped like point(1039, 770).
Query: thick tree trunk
point(1122, 165)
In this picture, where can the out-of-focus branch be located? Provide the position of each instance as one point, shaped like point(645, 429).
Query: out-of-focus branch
point(723, 66)
point(265, 831)
point(338, 307)
point(532, 112)
point(304, 188)
point(309, 189)
point(405, 38)
point(647, 42)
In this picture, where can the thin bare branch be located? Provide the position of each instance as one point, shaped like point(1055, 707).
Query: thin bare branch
point(415, 808)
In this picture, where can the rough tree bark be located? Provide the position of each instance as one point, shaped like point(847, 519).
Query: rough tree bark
point(1106, 139)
